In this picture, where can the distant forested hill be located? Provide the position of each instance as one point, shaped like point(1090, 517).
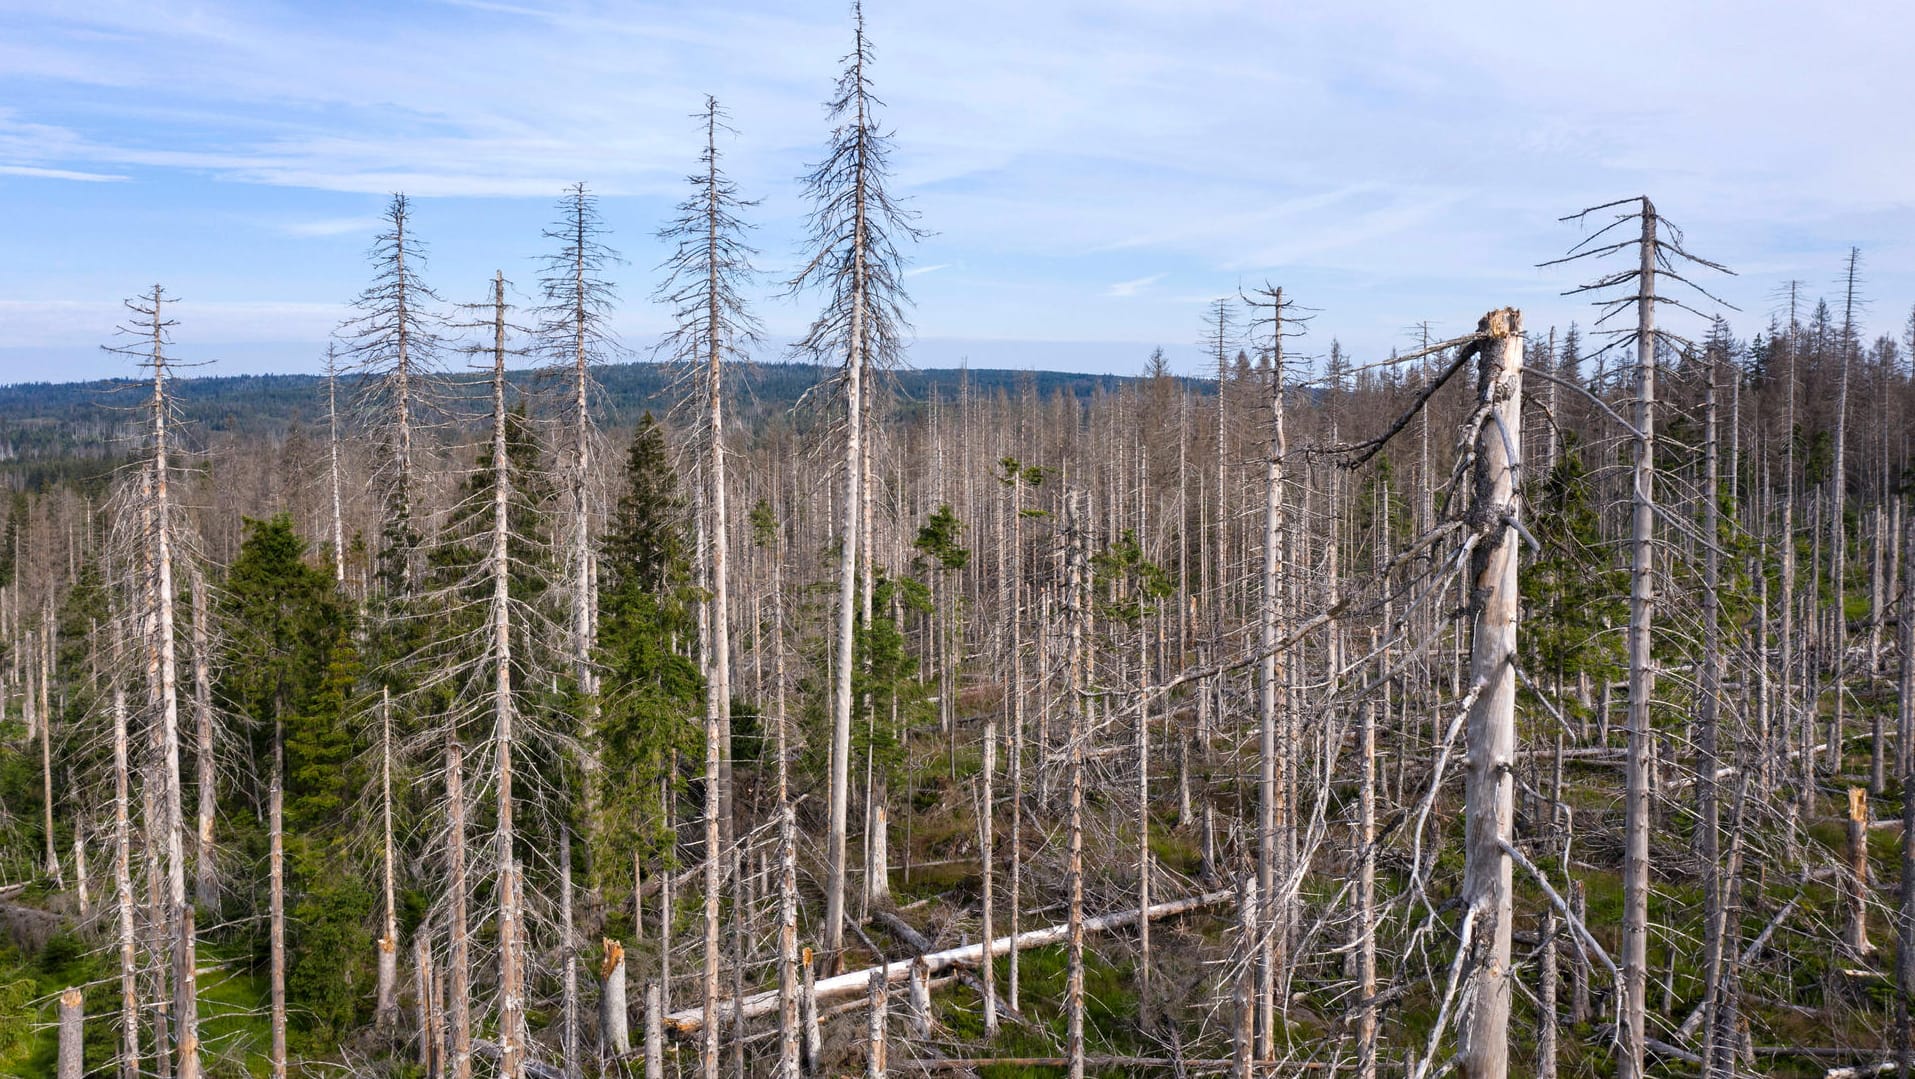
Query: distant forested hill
point(73, 431)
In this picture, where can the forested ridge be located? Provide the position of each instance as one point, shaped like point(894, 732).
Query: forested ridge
point(1535, 700)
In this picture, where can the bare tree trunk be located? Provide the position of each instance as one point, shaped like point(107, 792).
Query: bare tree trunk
point(1074, 710)
point(332, 469)
point(123, 896)
point(1642, 678)
point(789, 1063)
point(1546, 997)
point(1016, 776)
point(54, 872)
point(852, 530)
point(1857, 885)
point(511, 930)
point(718, 807)
point(72, 1041)
point(654, 1034)
point(1247, 996)
point(813, 1037)
point(1366, 896)
point(1490, 782)
point(1271, 797)
point(431, 1026)
point(874, 1063)
point(276, 871)
point(185, 994)
point(1709, 707)
point(459, 962)
point(987, 855)
point(614, 1030)
point(205, 882)
point(386, 995)
point(568, 963)
point(1905, 723)
point(1838, 527)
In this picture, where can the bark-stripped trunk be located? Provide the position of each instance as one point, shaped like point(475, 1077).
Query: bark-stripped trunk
point(568, 963)
point(1905, 724)
point(385, 1013)
point(852, 530)
point(499, 567)
point(1709, 707)
point(276, 875)
point(789, 1062)
point(123, 896)
point(1489, 784)
point(72, 1038)
point(1642, 678)
point(1366, 896)
point(205, 886)
point(1271, 799)
point(718, 824)
point(1016, 776)
point(1074, 712)
point(332, 470)
point(161, 601)
point(53, 869)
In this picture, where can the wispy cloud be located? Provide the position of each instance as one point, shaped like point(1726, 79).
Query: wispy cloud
point(1108, 139)
point(60, 174)
point(330, 226)
point(1132, 287)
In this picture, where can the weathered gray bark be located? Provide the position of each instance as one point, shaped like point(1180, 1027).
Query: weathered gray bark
point(205, 878)
point(72, 1042)
point(1489, 785)
point(614, 1027)
point(385, 1012)
point(129, 1063)
point(1642, 678)
point(276, 874)
point(503, 709)
point(1074, 868)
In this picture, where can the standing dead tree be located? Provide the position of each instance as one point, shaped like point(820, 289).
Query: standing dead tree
point(1658, 248)
point(1490, 782)
point(855, 227)
point(575, 334)
point(706, 275)
point(150, 329)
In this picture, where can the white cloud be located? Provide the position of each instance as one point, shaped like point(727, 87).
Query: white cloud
point(60, 174)
point(330, 226)
point(1132, 287)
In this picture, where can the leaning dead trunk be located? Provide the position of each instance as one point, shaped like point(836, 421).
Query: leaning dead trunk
point(1489, 788)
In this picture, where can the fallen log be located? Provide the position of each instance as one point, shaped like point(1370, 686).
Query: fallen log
point(691, 1020)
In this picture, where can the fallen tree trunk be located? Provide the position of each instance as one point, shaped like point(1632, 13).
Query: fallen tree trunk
point(691, 1020)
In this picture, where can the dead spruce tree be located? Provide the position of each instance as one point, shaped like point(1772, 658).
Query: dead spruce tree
point(575, 336)
point(1656, 246)
point(1491, 735)
point(706, 274)
point(150, 332)
point(854, 230)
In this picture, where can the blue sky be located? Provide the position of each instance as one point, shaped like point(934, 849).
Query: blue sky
point(1093, 173)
